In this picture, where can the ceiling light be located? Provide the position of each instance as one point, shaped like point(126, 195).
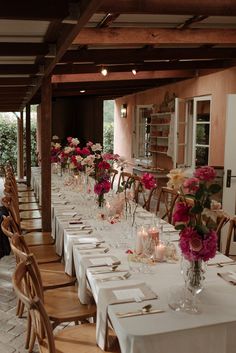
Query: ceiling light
point(104, 71)
point(82, 91)
point(134, 72)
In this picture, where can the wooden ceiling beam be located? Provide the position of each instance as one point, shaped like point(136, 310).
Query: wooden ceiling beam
point(152, 36)
point(172, 7)
point(124, 56)
point(17, 69)
point(24, 49)
point(66, 37)
point(158, 66)
point(45, 10)
point(16, 81)
point(122, 76)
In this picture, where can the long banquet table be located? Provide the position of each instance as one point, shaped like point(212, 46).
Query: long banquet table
point(210, 331)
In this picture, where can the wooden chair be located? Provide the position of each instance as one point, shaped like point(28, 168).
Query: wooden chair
point(113, 174)
point(43, 253)
point(123, 181)
point(61, 304)
point(163, 201)
point(69, 340)
point(27, 225)
point(221, 222)
point(230, 235)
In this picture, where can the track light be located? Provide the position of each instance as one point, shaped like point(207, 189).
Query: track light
point(134, 72)
point(104, 71)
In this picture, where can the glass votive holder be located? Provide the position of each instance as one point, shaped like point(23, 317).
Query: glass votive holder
point(140, 235)
point(160, 252)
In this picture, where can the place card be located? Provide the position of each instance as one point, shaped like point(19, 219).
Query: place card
point(87, 240)
point(124, 294)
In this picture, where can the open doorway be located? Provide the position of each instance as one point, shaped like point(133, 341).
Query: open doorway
point(108, 125)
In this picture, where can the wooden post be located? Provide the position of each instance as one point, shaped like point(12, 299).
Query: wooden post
point(46, 107)
point(28, 145)
point(20, 155)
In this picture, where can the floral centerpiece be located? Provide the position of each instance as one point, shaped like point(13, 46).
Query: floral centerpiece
point(55, 151)
point(195, 215)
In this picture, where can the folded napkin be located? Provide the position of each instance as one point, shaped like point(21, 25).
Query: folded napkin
point(86, 262)
point(69, 213)
point(108, 296)
point(228, 276)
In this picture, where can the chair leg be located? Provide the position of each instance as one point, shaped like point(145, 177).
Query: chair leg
point(28, 332)
point(32, 342)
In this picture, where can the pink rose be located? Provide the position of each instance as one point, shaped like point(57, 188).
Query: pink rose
point(191, 185)
point(205, 173)
point(104, 165)
point(181, 213)
point(148, 181)
point(85, 151)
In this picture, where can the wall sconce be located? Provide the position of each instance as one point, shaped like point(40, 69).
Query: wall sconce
point(123, 111)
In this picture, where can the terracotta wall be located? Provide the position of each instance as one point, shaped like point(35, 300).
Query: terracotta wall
point(218, 85)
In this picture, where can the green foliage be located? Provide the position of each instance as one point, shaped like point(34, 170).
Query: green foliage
point(108, 131)
point(8, 142)
point(108, 138)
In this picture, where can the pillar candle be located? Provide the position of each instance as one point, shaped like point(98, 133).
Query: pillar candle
point(142, 233)
point(160, 252)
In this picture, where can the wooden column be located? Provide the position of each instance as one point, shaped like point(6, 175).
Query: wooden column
point(45, 136)
point(20, 155)
point(28, 145)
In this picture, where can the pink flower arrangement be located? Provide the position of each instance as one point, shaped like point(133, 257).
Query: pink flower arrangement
point(148, 181)
point(205, 173)
point(198, 240)
point(195, 247)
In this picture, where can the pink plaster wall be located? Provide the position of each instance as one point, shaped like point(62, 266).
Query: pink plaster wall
point(218, 85)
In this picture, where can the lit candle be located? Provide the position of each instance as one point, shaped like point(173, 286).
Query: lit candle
point(142, 233)
point(154, 233)
point(160, 251)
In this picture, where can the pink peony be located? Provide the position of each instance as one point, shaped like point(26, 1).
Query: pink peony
point(194, 247)
point(148, 181)
point(195, 243)
point(191, 185)
point(181, 213)
point(205, 173)
point(89, 144)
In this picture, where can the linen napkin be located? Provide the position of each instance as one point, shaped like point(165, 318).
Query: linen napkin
point(118, 295)
point(228, 276)
point(84, 263)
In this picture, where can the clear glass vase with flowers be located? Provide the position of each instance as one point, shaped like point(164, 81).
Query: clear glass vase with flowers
point(193, 216)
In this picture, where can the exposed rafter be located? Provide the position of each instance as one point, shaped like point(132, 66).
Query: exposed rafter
point(188, 7)
point(144, 36)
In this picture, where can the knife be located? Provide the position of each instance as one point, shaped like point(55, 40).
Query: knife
point(139, 313)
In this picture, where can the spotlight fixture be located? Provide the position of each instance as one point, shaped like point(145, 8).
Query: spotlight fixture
point(104, 71)
point(134, 72)
point(82, 91)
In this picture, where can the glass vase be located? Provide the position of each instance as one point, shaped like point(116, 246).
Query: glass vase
point(194, 275)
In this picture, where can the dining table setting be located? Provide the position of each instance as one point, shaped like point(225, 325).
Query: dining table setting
point(136, 280)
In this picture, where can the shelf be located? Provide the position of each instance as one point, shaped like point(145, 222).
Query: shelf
point(159, 137)
point(157, 152)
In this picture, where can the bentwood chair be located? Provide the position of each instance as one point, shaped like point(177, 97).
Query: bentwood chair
point(68, 340)
point(230, 235)
point(61, 304)
point(52, 273)
point(162, 201)
point(43, 253)
point(113, 174)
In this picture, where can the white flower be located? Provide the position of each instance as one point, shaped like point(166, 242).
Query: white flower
point(75, 141)
point(176, 178)
point(68, 149)
point(89, 160)
point(57, 145)
point(96, 147)
point(78, 158)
